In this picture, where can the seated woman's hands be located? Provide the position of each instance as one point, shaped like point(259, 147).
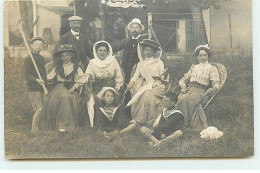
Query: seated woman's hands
point(183, 89)
point(72, 90)
point(130, 85)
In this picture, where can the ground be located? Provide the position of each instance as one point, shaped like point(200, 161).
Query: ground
point(232, 112)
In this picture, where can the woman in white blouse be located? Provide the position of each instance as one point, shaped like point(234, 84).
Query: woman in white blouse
point(147, 85)
point(198, 84)
point(61, 106)
point(104, 70)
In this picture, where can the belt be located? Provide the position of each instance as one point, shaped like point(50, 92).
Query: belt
point(197, 85)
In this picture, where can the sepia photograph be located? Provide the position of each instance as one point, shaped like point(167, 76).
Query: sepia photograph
point(128, 79)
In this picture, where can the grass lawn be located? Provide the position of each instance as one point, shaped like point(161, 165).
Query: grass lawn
point(233, 114)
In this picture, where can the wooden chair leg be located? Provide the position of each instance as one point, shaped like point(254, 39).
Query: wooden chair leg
point(210, 115)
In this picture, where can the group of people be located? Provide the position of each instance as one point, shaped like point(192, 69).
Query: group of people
point(116, 97)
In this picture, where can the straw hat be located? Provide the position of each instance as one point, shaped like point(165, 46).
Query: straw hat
point(62, 48)
point(135, 21)
point(75, 18)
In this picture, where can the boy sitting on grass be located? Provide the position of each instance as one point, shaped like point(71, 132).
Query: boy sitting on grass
point(34, 84)
point(168, 125)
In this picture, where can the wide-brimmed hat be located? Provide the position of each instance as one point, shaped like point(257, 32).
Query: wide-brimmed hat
point(62, 48)
point(37, 38)
point(151, 43)
point(75, 18)
point(135, 21)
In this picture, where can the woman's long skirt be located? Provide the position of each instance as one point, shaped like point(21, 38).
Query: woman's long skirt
point(61, 110)
point(190, 105)
point(148, 106)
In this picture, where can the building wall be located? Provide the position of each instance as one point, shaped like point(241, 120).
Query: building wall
point(241, 25)
point(49, 19)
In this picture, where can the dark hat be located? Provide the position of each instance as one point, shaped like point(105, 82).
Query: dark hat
point(151, 43)
point(65, 47)
point(37, 38)
point(47, 31)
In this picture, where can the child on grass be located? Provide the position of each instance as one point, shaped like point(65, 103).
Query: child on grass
point(168, 125)
point(34, 84)
point(109, 118)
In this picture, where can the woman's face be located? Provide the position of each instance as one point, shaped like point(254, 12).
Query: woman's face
point(109, 98)
point(202, 56)
point(148, 52)
point(102, 53)
point(66, 57)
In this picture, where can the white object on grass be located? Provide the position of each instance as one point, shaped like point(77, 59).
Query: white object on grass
point(211, 133)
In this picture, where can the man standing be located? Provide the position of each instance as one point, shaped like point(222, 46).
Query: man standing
point(78, 40)
point(130, 57)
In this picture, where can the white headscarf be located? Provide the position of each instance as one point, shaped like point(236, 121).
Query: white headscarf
point(156, 58)
point(108, 60)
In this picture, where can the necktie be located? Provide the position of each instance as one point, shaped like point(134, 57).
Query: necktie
point(134, 42)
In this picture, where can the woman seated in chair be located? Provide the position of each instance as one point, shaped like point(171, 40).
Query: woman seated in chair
point(197, 85)
point(147, 85)
point(104, 70)
point(61, 105)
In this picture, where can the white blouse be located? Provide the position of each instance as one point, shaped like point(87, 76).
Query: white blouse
point(151, 66)
point(99, 70)
point(79, 78)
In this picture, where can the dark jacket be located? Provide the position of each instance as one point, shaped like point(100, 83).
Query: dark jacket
point(130, 57)
point(31, 74)
point(119, 121)
point(82, 46)
point(170, 125)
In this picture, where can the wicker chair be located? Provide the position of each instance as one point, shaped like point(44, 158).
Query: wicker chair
point(210, 103)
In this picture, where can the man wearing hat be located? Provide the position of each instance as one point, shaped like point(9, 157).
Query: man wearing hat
point(130, 57)
point(78, 40)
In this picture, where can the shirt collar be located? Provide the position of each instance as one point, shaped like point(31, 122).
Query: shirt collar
point(146, 59)
point(74, 33)
point(136, 37)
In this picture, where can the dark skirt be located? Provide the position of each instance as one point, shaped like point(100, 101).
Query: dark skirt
point(60, 110)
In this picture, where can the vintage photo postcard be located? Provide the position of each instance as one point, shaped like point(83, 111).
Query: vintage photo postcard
point(128, 79)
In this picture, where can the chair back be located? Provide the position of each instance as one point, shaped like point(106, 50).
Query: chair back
point(222, 71)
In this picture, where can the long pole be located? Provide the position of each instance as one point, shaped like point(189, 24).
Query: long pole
point(74, 7)
point(102, 15)
point(30, 54)
point(230, 30)
point(149, 25)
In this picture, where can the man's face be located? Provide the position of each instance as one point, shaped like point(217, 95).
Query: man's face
point(167, 103)
point(75, 25)
point(135, 29)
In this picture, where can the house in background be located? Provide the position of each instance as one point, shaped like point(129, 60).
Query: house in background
point(228, 27)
